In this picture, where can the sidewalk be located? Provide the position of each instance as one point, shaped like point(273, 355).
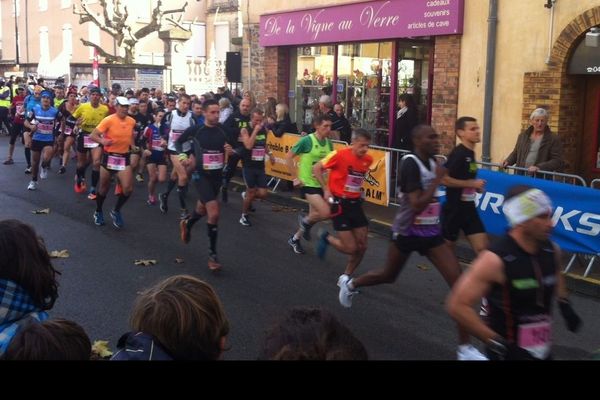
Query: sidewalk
point(380, 222)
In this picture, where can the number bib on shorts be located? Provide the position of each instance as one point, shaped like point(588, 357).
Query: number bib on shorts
point(68, 130)
point(156, 145)
point(536, 338)
point(116, 163)
point(354, 183)
point(88, 143)
point(430, 216)
point(258, 154)
point(468, 194)
point(212, 161)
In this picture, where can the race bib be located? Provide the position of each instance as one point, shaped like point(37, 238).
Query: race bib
point(258, 154)
point(156, 145)
point(536, 338)
point(68, 130)
point(354, 183)
point(430, 216)
point(468, 194)
point(212, 161)
point(45, 128)
point(88, 143)
point(175, 134)
point(116, 163)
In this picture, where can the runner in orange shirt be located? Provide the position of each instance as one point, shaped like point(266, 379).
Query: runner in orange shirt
point(115, 133)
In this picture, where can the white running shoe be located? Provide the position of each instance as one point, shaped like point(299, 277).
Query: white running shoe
point(346, 294)
point(44, 173)
point(32, 185)
point(467, 352)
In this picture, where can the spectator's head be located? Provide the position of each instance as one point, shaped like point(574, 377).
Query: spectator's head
point(53, 339)
point(224, 103)
point(116, 89)
point(311, 334)
point(338, 109)
point(426, 140)
point(25, 261)
point(325, 103)
point(185, 316)
point(245, 107)
point(270, 105)
point(539, 120)
point(281, 110)
point(247, 95)
point(144, 94)
point(129, 93)
point(406, 100)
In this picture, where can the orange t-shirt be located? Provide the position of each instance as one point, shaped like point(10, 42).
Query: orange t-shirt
point(347, 172)
point(120, 131)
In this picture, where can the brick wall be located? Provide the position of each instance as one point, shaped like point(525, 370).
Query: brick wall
point(444, 110)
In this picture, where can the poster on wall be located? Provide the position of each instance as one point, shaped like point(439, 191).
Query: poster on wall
point(150, 78)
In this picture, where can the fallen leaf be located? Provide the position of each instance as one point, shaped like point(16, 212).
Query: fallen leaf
point(60, 254)
point(100, 347)
point(284, 209)
point(423, 267)
point(179, 261)
point(144, 263)
point(44, 211)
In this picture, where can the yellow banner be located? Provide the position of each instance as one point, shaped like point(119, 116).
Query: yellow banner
point(376, 185)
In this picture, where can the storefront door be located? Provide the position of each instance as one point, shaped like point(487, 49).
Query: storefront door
point(590, 155)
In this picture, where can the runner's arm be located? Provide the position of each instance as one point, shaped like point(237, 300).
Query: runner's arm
point(185, 136)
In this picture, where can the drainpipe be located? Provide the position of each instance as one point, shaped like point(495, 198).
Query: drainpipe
point(490, 71)
point(550, 5)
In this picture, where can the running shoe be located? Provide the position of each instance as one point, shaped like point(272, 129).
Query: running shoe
point(32, 185)
point(213, 262)
point(245, 221)
point(28, 170)
point(467, 352)
point(92, 193)
point(62, 170)
point(151, 200)
point(185, 232)
point(99, 218)
point(184, 214)
point(295, 244)
point(305, 228)
point(43, 173)
point(322, 244)
point(346, 294)
point(117, 219)
point(139, 178)
point(9, 162)
point(164, 202)
point(79, 186)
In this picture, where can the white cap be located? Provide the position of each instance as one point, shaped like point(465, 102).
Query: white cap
point(122, 101)
point(133, 101)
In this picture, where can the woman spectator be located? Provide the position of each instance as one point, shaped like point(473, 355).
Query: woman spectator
point(283, 123)
point(270, 105)
point(28, 285)
point(344, 126)
point(180, 318)
point(406, 119)
point(537, 148)
point(225, 109)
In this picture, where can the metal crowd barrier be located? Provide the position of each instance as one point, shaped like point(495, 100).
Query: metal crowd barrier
point(595, 184)
point(547, 175)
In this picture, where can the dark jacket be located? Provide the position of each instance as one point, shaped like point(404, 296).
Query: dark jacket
point(404, 127)
point(139, 347)
point(550, 155)
point(284, 126)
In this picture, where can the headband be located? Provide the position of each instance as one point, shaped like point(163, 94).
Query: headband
point(526, 206)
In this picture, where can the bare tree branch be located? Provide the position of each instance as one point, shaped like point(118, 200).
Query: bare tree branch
point(109, 58)
point(177, 24)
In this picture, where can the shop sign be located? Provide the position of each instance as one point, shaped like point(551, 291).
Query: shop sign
point(374, 20)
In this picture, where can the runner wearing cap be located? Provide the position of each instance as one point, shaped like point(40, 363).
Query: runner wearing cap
point(115, 134)
point(41, 122)
point(88, 116)
point(520, 275)
point(67, 128)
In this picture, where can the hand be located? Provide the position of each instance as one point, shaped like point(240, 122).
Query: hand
point(533, 169)
point(440, 172)
point(571, 318)
point(79, 121)
point(272, 158)
point(327, 195)
point(163, 143)
point(257, 128)
point(479, 185)
point(298, 183)
point(228, 149)
point(106, 142)
point(147, 153)
point(303, 134)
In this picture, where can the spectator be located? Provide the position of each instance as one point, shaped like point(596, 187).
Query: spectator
point(537, 147)
point(226, 109)
point(249, 96)
point(28, 285)
point(345, 128)
point(283, 123)
point(180, 318)
point(311, 334)
point(269, 110)
point(406, 119)
point(326, 108)
point(53, 339)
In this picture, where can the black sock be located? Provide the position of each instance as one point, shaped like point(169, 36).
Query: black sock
point(28, 156)
point(80, 174)
point(121, 200)
point(181, 191)
point(170, 187)
point(193, 219)
point(99, 202)
point(95, 178)
point(212, 235)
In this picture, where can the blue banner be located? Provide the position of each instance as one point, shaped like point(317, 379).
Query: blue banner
point(576, 210)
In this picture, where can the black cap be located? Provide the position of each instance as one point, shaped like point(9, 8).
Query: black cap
point(95, 90)
point(116, 86)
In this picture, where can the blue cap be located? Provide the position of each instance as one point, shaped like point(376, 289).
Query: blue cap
point(46, 93)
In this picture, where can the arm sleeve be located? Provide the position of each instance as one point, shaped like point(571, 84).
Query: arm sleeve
point(330, 160)
point(104, 125)
point(77, 113)
point(555, 163)
point(304, 145)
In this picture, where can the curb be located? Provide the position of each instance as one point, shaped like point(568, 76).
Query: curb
point(575, 283)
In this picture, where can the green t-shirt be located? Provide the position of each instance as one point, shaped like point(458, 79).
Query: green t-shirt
point(311, 151)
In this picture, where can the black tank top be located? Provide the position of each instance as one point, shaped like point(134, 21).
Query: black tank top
point(520, 309)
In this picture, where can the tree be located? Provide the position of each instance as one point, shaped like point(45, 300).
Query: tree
point(114, 22)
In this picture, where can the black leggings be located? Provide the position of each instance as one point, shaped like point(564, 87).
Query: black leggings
point(17, 129)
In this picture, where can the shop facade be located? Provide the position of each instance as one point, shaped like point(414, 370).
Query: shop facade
point(365, 55)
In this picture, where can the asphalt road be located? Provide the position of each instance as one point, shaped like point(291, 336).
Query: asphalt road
point(261, 277)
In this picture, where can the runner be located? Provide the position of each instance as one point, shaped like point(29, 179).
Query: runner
point(233, 126)
point(115, 134)
point(17, 110)
point(68, 125)
point(520, 275)
point(156, 157)
point(311, 149)
point(88, 116)
point(348, 168)
point(253, 161)
point(210, 144)
point(416, 228)
point(40, 122)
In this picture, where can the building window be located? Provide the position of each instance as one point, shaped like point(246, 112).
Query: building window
point(94, 37)
point(65, 3)
point(196, 46)
point(67, 38)
point(43, 5)
point(44, 46)
point(221, 40)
